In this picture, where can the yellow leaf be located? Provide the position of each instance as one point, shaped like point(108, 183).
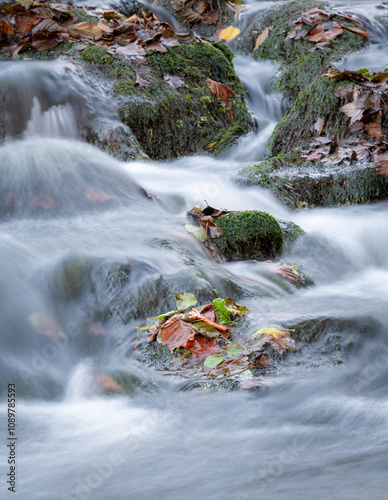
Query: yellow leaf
point(261, 39)
point(269, 331)
point(229, 33)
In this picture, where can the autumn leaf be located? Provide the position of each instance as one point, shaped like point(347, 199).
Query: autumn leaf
point(202, 347)
point(195, 315)
point(317, 35)
point(140, 82)
point(107, 383)
point(219, 90)
point(222, 310)
point(373, 130)
point(197, 231)
point(229, 33)
point(381, 164)
point(6, 28)
point(96, 329)
point(156, 46)
point(250, 384)
point(318, 125)
point(235, 309)
point(185, 300)
point(92, 194)
point(352, 111)
point(280, 340)
point(175, 332)
point(44, 324)
point(86, 30)
point(262, 38)
point(210, 312)
point(211, 17)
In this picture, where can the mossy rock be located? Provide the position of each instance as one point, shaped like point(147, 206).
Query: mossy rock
point(170, 122)
point(309, 185)
point(249, 235)
point(299, 66)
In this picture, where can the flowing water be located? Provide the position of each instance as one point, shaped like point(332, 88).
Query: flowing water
point(318, 430)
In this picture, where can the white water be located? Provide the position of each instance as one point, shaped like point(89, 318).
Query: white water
point(320, 430)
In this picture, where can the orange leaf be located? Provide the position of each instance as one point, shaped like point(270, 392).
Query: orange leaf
point(219, 90)
point(196, 315)
point(317, 35)
point(262, 38)
point(43, 201)
point(373, 130)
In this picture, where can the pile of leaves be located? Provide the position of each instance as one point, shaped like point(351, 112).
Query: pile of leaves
point(316, 26)
point(200, 340)
point(366, 104)
point(43, 26)
point(197, 11)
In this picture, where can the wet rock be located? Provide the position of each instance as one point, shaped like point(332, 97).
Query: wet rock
point(314, 185)
point(249, 235)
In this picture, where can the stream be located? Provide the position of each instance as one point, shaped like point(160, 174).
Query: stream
point(319, 429)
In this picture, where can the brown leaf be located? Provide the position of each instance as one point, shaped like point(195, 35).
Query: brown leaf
point(344, 91)
point(170, 42)
point(210, 312)
point(262, 38)
point(263, 360)
point(318, 125)
point(47, 26)
point(219, 90)
point(92, 194)
point(45, 42)
point(317, 35)
point(331, 34)
point(373, 130)
point(132, 49)
point(250, 384)
point(43, 201)
point(294, 32)
point(156, 46)
point(195, 315)
point(87, 30)
point(210, 227)
point(352, 111)
point(201, 347)
point(107, 383)
point(140, 82)
point(355, 30)
point(211, 17)
point(315, 154)
point(174, 81)
point(280, 340)
point(175, 332)
point(381, 164)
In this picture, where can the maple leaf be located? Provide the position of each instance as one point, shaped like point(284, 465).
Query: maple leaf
point(219, 90)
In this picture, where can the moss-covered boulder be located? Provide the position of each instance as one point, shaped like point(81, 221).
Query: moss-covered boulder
point(308, 185)
point(249, 235)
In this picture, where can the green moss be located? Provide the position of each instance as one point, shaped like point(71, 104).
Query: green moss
point(294, 131)
point(248, 235)
point(84, 16)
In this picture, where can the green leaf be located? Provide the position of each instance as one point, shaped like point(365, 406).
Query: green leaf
point(213, 361)
point(235, 309)
point(196, 231)
point(165, 315)
point(206, 330)
point(222, 310)
point(185, 300)
point(233, 351)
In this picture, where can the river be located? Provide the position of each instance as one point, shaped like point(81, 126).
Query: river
point(318, 430)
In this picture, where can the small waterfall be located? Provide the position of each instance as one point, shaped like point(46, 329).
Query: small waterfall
point(57, 121)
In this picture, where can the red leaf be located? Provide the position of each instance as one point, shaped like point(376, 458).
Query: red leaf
point(92, 194)
point(317, 35)
point(6, 28)
point(45, 42)
point(202, 347)
point(210, 312)
point(331, 34)
point(176, 333)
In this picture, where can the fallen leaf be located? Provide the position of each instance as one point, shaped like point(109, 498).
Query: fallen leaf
point(233, 351)
point(195, 315)
point(97, 329)
point(318, 125)
point(373, 130)
point(44, 324)
point(43, 201)
point(210, 312)
point(228, 34)
point(174, 81)
point(262, 38)
point(45, 42)
point(107, 383)
point(176, 332)
point(262, 361)
point(211, 17)
point(280, 340)
point(6, 28)
point(219, 90)
point(185, 300)
point(381, 164)
point(344, 91)
point(331, 34)
point(214, 360)
point(87, 30)
point(355, 30)
point(140, 82)
point(250, 384)
point(197, 231)
point(156, 46)
point(352, 111)
point(170, 42)
point(317, 35)
point(201, 347)
point(222, 310)
point(235, 309)
point(92, 194)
